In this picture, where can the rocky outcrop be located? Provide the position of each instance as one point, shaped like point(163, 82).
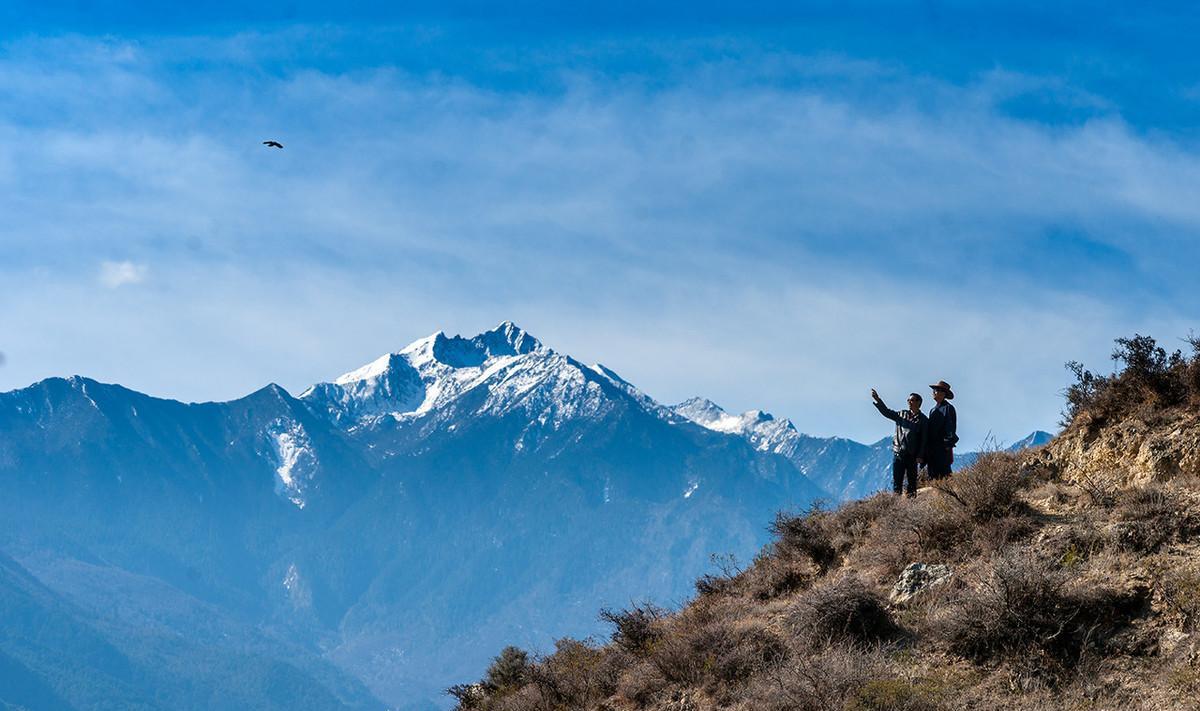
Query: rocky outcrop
point(1134, 452)
point(917, 578)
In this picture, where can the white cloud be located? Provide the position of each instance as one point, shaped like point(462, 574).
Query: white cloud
point(779, 246)
point(118, 274)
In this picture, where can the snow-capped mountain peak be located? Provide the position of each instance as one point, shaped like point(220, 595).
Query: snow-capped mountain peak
point(1034, 439)
point(370, 371)
point(710, 415)
point(506, 365)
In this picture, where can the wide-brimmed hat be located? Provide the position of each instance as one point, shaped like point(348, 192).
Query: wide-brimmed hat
point(944, 387)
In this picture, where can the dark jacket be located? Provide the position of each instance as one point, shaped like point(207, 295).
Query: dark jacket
point(909, 440)
point(941, 435)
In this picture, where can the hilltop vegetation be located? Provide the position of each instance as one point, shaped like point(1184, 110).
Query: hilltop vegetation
point(1062, 577)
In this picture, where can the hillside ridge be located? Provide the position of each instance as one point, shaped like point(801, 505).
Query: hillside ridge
point(1065, 576)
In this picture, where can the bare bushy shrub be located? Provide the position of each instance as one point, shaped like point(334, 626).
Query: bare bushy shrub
point(1181, 597)
point(1151, 517)
point(852, 522)
point(989, 488)
point(929, 529)
point(806, 535)
point(842, 610)
point(636, 629)
point(576, 674)
point(469, 696)
point(507, 673)
point(894, 695)
point(1148, 377)
point(726, 582)
point(776, 575)
point(509, 669)
point(993, 535)
point(823, 678)
point(641, 684)
point(526, 698)
point(717, 652)
point(1025, 611)
point(703, 648)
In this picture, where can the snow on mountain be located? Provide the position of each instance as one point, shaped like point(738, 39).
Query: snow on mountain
point(295, 460)
point(707, 413)
point(443, 379)
point(766, 433)
point(477, 480)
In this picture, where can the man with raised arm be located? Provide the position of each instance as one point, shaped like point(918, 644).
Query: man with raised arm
point(943, 432)
point(908, 444)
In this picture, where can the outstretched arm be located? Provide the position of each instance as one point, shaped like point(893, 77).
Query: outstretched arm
point(883, 409)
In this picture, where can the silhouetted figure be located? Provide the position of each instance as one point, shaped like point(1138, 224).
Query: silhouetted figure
point(272, 144)
point(942, 434)
point(908, 444)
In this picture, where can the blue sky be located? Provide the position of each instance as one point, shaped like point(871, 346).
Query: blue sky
point(772, 206)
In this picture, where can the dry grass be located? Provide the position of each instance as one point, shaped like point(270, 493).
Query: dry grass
point(1151, 517)
point(843, 610)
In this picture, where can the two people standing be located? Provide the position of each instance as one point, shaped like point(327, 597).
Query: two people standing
point(921, 440)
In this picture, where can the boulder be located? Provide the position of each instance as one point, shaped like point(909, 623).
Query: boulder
point(916, 578)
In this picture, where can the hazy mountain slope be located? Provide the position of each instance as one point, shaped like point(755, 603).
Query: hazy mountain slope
point(399, 521)
point(542, 480)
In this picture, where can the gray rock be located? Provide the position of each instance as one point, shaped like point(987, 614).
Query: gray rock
point(917, 577)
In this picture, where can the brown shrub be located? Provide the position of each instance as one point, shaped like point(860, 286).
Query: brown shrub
point(989, 488)
point(526, 698)
point(715, 649)
point(469, 696)
point(1024, 611)
point(930, 529)
point(509, 669)
point(821, 679)
point(1149, 378)
point(992, 536)
point(894, 695)
point(776, 575)
point(713, 585)
point(1151, 517)
point(576, 674)
point(1080, 540)
point(807, 535)
point(636, 629)
point(842, 610)
point(852, 522)
point(641, 684)
point(1181, 597)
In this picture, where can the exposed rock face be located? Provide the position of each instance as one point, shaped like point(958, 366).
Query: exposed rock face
point(918, 577)
point(1129, 453)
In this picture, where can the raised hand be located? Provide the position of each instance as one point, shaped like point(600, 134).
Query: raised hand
point(874, 395)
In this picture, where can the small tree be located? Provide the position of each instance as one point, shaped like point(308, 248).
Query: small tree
point(509, 670)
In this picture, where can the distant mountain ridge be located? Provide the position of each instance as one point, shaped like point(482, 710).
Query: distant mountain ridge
point(845, 468)
point(377, 536)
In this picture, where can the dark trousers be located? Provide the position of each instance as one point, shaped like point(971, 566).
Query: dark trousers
point(939, 464)
point(904, 467)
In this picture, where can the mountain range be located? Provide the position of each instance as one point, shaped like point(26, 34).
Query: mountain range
point(376, 538)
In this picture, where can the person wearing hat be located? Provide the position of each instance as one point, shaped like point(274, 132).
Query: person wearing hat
point(908, 444)
point(941, 434)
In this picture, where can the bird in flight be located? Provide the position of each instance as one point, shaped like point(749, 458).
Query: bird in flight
point(272, 144)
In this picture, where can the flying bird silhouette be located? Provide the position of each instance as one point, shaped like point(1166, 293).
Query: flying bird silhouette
point(272, 144)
